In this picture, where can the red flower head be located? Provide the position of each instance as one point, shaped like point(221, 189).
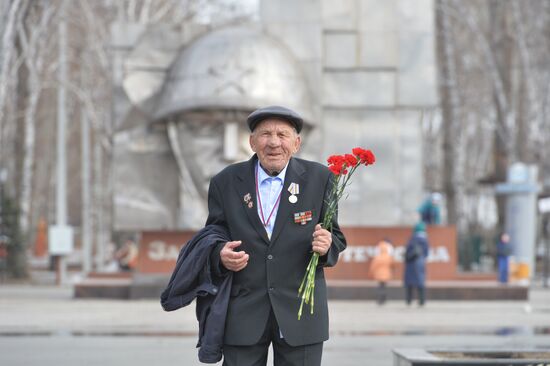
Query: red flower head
point(357, 151)
point(351, 160)
point(335, 160)
point(337, 164)
point(365, 156)
point(368, 158)
point(334, 169)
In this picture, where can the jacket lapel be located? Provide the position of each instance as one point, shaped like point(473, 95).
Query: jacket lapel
point(247, 185)
point(294, 174)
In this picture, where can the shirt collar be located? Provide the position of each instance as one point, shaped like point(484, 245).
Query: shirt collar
point(262, 175)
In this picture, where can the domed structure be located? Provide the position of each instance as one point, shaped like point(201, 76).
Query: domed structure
point(235, 68)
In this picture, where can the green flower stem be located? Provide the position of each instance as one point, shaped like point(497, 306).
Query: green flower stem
point(307, 292)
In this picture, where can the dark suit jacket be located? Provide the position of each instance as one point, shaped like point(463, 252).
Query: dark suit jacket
point(276, 267)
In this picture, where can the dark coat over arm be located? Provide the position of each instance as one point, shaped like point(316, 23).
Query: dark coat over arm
point(195, 277)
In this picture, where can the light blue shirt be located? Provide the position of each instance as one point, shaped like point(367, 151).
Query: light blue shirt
point(269, 190)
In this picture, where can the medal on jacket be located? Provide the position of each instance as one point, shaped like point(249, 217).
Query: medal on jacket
point(302, 218)
point(248, 200)
point(294, 189)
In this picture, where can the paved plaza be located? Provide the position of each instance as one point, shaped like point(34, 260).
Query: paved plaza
point(45, 326)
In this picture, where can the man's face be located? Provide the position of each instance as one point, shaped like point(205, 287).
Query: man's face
point(275, 141)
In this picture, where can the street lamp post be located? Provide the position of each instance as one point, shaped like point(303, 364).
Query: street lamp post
point(60, 236)
point(3, 179)
point(3, 237)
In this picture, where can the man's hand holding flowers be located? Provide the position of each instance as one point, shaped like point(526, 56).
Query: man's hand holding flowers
point(322, 239)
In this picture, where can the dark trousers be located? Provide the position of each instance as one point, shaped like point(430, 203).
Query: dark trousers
point(283, 353)
point(503, 269)
point(382, 293)
point(421, 294)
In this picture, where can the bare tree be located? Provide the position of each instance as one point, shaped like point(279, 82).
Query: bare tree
point(28, 83)
point(494, 86)
point(10, 15)
point(453, 183)
point(35, 43)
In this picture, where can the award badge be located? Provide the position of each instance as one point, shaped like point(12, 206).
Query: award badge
point(302, 218)
point(248, 200)
point(294, 189)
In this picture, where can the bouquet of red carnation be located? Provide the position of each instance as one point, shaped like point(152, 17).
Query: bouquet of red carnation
point(343, 167)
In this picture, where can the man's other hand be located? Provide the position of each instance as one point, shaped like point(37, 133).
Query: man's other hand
point(232, 260)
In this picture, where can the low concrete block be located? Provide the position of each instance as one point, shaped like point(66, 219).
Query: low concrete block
point(481, 357)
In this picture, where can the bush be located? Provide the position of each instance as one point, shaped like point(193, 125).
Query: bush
point(16, 263)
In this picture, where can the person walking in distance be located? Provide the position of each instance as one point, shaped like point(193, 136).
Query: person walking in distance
point(381, 268)
point(503, 254)
point(415, 264)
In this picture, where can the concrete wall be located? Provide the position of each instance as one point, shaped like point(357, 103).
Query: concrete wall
point(371, 69)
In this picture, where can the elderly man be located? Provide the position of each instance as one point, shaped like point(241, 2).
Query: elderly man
point(272, 205)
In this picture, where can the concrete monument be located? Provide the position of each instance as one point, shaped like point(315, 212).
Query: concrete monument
point(360, 73)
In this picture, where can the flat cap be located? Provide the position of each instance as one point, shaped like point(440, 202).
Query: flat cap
point(275, 111)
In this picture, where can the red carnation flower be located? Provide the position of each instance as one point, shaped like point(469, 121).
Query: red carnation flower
point(335, 159)
point(368, 158)
point(365, 156)
point(343, 167)
point(357, 151)
point(351, 160)
point(335, 169)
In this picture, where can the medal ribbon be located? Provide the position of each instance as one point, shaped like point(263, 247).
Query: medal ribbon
point(260, 203)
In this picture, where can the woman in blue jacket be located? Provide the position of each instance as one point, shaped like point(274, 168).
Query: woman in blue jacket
point(415, 264)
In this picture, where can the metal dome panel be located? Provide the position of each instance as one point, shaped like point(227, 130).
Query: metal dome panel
point(237, 68)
